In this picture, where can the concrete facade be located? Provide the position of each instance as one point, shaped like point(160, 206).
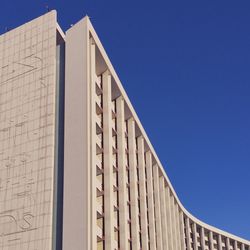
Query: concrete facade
point(28, 134)
point(75, 146)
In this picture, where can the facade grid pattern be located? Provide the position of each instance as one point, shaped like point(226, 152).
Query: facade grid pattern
point(27, 134)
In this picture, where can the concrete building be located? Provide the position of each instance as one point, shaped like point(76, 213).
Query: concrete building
point(77, 170)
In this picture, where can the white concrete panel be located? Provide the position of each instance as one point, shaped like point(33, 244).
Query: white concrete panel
point(27, 134)
point(76, 215)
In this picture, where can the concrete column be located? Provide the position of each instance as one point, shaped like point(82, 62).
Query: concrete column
point(202, 238)
point(172, 214)
point(123, 225)
point(228, 243)
point(177, 216)
point(133, 185)
point(242, 247)
point(150, 201)
point(169, 219)
point(163, 214)
point(219, 242)
point(178, 229)
point(194, 229)
point(235, 245)
point(188, 234)
point(108, 163)
point(211, 240)
point(157, 207)
point(142, 186)
point(93, 144)
point(183, 244)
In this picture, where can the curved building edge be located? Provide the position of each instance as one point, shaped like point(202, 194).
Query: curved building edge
point(223, 239)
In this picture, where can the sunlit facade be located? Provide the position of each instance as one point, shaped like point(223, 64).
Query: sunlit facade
point(77, 170)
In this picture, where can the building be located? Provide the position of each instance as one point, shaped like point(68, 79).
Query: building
point(77, 170)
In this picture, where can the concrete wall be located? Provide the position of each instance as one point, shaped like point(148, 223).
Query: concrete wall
point(76, 172)
point(27, 134)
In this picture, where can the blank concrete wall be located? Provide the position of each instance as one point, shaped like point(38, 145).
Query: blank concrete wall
point(76, 174)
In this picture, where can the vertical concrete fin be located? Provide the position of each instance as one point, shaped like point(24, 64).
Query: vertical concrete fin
point(150, 189)
point(157, 207)
point(133, 185)
point(163, 214)
point(143, 194)
point(108, 159)
point(122, 182)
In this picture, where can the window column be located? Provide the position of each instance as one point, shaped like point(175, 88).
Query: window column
point(169, 219)
point(157, 207)
point(202, 237)
point(211, 240)
point(93, 217)
point(163, 214)
point(178, 228)
point(194, 236)
point(172, 214)
point(188, 234)
point(227, 243)
point(143, 194)
point(133, 185)
point(108, 163)
point(121, 140)
point(183, 244)
point(219, 242)
point(151, 213)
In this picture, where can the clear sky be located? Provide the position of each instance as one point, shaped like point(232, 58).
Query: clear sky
point(186, 68)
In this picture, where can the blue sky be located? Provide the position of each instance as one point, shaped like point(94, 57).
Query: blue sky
point(186, 67)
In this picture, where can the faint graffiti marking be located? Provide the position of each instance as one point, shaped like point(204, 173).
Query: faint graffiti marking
point(16, 222)
point(25, 67)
